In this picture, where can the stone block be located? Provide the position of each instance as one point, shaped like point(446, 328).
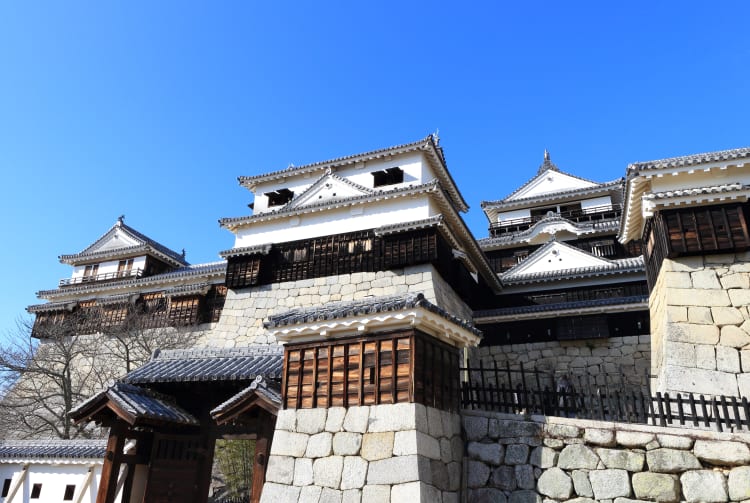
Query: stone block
point(286, 420)
point(735, 280)
point(705, 486)
point(739, 483)
point(681, 354)
point(308, 494)
point(507, 428)
point(556, 484)
point(397, 417)
point(739, 297)
point(504, 478)
point(328, 495)
point(446, 450)
point(475, 427)
point(279, 493)
point(327, 471)
point(727, 359)
point(706, 382)
point(352, 496)
point(451, 424)
point(622, 459)
point(376, 493)
point(346, 443)
point(516, 454)
point(705, 356)
point(487, 495)
point(319, 446)
point(356, 419)
point(478, 473)
point(311, 421)
point(734, 337)
point(692, 333)
point(726, 316)
point(674, 441)
point(581, 483)
point(398, 470)
point(354, 473)
point(335, 419)
point(577, 456)
point(689, 297)
point(286, 443)
point(439, 475)
point(434, 422)
point(676, 314)
point(524, 496)
point(700, 315)
point(705, 279)
point(377, 446)
point(743, 384)
point(608, 484)
point(280, 469)
point(656, 487)
point(543, 457)
point(488, 453)
point(415, 492)
point(562, 430)
point(597, 436)
point(723, 453)
point(303, 472)
point(671, 461)
point(677, 279)
point(745, 361)
point(454, 476)
point(525, 476)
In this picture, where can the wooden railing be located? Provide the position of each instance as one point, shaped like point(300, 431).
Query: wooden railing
point(133, 273)
point(519, 391)
point(596, 213)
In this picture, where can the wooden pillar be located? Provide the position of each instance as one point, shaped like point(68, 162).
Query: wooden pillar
point(111, 467)
point(262, 451)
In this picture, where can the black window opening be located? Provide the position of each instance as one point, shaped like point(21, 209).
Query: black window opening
point(6, 487)
point(279, 197)
point(36, 490)
point(70, 491)
point(390, 176)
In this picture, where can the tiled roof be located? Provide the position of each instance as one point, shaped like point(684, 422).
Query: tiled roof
point(51, 449)
point(246, 250)
point(200, 365)
point(697, 191)
point(368, 305)
point(562, 194)
point(616, 266)
point(409, 226)
point(269, 389)
point(196, 270)
point(688, 160)
point(598, 226)
point(141, 404)
point(561, 306)
point(52, 306)
point(145, 240)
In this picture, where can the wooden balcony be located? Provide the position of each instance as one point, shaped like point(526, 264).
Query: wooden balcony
point(133, 273)
point(593, 214)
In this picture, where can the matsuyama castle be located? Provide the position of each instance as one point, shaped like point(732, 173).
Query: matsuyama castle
point(343, 332)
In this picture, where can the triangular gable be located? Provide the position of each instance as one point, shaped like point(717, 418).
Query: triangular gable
point(115, 238)
point(328, 187)
point(556, 256)
point(549, 181)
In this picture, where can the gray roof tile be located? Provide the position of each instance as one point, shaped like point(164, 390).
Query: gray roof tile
point(688, 160)
point(51, 449)
point(269, 389)
point(561, 306)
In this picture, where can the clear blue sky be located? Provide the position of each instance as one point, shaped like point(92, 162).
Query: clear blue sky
point(152, 109)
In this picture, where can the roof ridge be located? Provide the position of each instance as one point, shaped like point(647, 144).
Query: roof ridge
point(691, 158)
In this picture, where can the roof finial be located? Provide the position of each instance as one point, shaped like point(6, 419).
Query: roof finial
point(121, 220)
point(546, 154)
point(436, 136)
point(547, 164)
point(183, 253)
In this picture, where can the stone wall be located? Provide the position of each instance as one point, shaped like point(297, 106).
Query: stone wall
point(700, 325)
point(544, 459)
point(245, 310)
point(373, 454)
point(624, 359)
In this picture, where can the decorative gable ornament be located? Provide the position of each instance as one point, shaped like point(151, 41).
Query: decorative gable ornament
point(556, 256)
point(328, 187)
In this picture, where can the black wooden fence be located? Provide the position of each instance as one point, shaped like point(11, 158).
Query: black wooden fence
point(602, 397)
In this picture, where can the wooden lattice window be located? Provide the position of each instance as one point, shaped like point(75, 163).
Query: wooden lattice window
point(184, 310)
point(215, 303)
point(243, 271)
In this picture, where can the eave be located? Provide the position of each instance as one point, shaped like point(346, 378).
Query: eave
point(624, 305)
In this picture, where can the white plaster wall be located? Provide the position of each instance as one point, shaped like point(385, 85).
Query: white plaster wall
point(109, 266)
point(416, 172)
point(53, 478)
point(596, 202)
point(337, 221)
point(700, 178)
point(513, 215)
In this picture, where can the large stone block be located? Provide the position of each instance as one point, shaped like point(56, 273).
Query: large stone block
point(319, 446)
point(681, 354)
point(608, 484)
point(543, 457)
point(705, 486)
point(439, 475)
point(434, 422)
point(671, 461)
point(356, 419)
point(303, 472)
point(286, 443)
point(346, 443)
point(487, 495)
point(377, 446)
point(524, 496)
point(581, 483)
point(328, 495)
point(376, 493)
point(475, 427)
point(674, 441)
point(487, 453)
point(739, 297)
point(692, 333)
point(727, 359)
point(397, 417)
point(352, 496)
point(700, 315)
point(690, 297)
point(279, 493)
point(525, 476)
point(516, 454)
point(327, 471)
point(478, 474)
point(415, 492)
point(577, 456)
point(743, 383)
point(705, 356)
point(625, 460)
point(354, 473)
point(335, 419)
point(598, 436)
point(706, 382)
point(734, 337)
point(705, 279)
point(309, 494)
point(286, 420)
point(398, 470)
point(311, 421)
point(504, 478)
point(726, 316)
point(656, 487)
point(739, 483)
point(555, 484)
point(506, 428)
point(722, 452)
point(280, 469)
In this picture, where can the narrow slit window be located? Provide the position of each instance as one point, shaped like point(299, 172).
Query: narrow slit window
point(36, 490)
point(70, 491)
point(6, 487)
point(279, 197)
point(390, 176)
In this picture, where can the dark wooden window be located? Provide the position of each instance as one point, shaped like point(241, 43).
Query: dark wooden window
point(90, 272)
point(113, 315)
point(279, 197)
point(214, 303)
point(70, 491)
point(6, 487)
point(184, 310)
point(243, 271)
point(124, 267)
point(390, 176)
point(371, 370)
point(36, 490)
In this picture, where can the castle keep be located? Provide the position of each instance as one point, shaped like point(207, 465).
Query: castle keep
point(372, 349)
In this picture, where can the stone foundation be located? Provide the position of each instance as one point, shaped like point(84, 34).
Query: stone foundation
point(557, 459)
point(623, 359)
point(379, 453)
point(700, 325)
